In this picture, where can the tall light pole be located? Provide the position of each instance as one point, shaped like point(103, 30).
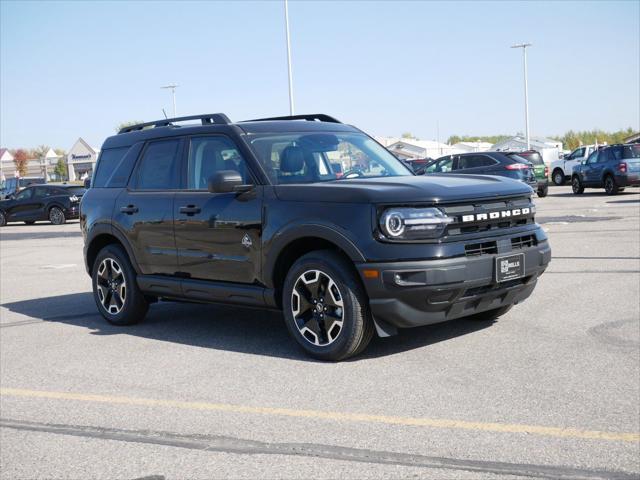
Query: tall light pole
point(173, 87)
point(524, 46)
point(286, 21)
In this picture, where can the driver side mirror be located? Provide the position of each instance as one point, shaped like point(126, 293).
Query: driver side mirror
point(226, 181)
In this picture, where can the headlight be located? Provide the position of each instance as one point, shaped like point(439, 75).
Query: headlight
point(413, 223)
point(73, 198)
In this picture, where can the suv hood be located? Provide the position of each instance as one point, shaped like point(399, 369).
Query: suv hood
point(443, 188)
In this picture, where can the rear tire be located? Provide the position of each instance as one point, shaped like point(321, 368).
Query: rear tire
point(610, 185)
point(56, 216)
point(115, 290)
point(576, 186)
point(558, 177)
point(543, 191)
point(3, 219)
point(325, 307)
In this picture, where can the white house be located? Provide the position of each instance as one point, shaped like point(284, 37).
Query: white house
point(473, 146)
point(81, 160)
point(7, 166)
point(548, 148)
point(409, 148)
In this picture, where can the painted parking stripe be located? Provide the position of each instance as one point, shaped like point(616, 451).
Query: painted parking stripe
point(332, 416)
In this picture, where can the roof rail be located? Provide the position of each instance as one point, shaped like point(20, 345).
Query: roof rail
point(314, 117)
point(206, 119)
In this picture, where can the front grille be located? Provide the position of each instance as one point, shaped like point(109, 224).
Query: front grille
point(484, 248)
point(518, 243)
point(459, 227)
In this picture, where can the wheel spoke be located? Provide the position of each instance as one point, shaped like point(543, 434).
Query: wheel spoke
point(317, 307)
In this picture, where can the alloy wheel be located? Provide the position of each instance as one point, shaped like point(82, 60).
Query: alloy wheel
point(111, 286)
point(318, 308)
point(609, 186)
point(56, 216)
point(558, 178)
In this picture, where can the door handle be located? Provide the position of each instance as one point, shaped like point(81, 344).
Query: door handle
point(190, 210)
point(129, 209)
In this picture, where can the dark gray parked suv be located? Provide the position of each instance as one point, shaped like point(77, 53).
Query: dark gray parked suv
point(256, 213)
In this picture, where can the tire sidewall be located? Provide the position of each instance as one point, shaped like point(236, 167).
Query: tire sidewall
point(3, 219)
point(351, 308)
point(576, 185)
point(118, 255)
point(608, 180)
point(542, 192)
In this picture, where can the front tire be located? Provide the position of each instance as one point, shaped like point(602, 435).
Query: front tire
point(558, 177)
point(325, 307)
point(115, 289)
point(610, 185)
point(56, 216)
point(576, 186)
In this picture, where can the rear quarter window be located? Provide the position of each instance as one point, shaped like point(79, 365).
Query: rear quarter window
point(631, 151)
point(107, 163)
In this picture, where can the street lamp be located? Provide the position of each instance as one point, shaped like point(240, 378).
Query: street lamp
point(286, 21)
point(524, 46)
point(173, 87)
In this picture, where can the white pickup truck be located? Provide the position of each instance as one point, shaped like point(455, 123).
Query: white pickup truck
point(562, 169)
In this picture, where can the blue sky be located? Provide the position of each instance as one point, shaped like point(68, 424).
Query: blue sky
point(72, 69)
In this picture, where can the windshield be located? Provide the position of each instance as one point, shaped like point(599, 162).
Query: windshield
point(321, 157)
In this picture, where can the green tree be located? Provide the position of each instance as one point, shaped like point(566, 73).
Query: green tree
point(409, 135)
point(39, 151)
point(122, 125)
point(61, 169)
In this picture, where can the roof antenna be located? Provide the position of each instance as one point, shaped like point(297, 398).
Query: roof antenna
point(165, 114)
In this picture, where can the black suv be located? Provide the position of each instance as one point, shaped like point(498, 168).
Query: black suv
point(253, 213)
point(56, 203)
point(486, 163)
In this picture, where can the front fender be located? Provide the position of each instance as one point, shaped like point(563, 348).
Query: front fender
point(298, 230)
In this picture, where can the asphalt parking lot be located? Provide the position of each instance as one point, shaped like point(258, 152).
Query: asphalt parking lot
point(550, 390)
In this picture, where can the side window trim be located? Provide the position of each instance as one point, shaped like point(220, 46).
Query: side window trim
point(184, 167)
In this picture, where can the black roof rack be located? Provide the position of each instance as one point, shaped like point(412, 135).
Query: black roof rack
point(206, 119)
point(314, 117)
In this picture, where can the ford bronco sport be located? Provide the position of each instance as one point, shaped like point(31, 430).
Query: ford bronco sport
point(253, 213)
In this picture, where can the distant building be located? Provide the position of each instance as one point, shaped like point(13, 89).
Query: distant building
point(635, 138)
point(549, 149)
point(410, 148)
point(81, 160)
point(473, 146)
point(7, 166)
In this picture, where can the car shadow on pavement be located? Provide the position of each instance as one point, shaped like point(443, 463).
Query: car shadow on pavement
point(595, 193)
point(229, 328)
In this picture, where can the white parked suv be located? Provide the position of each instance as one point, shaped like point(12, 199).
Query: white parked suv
point(562, 169)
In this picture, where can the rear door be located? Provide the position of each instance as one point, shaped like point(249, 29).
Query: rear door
point(144, 211)
point(218, 235)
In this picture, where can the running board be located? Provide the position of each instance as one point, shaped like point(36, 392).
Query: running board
point(206, 291)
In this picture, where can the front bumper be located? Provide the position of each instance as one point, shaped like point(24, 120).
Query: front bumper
point(414, 293)
point(72, 212)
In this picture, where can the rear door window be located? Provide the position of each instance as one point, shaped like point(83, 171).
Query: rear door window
point(158, 167)
point(475, 161)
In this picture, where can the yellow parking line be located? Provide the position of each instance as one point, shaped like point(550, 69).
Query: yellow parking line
point(335, 416)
